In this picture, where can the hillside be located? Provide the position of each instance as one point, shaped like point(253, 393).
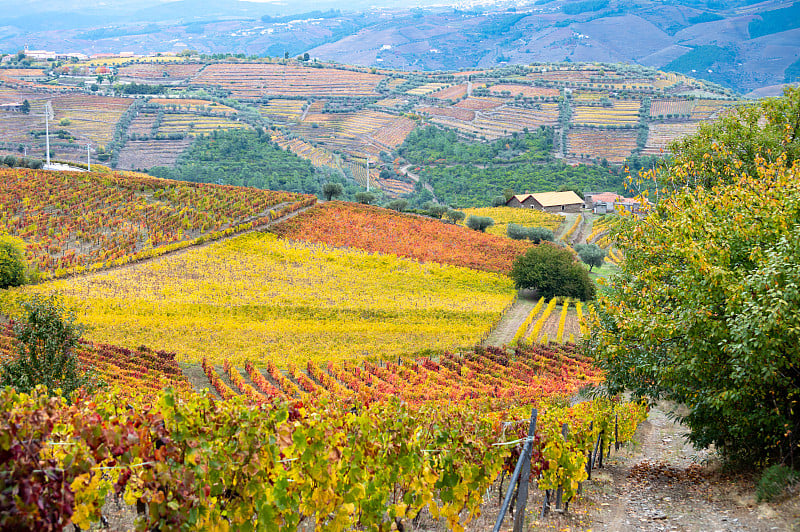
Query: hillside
point(257, 297)
point(261, 122)
point(723, 42)
point(374, 229)
point(80, 221)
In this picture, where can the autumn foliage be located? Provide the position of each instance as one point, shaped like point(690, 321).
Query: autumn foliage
point(380, 230)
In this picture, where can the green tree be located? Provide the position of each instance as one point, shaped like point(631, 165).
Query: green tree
point(332, 190)
point(398, 205)
point(47, 333)
point(13, 266)
point(706, 310)
point(591, 254)
point(479, 223)
point(434, 209)
point(552, 271)
point(365, 197)
point(455, 216)
point(540, 234)
point(26, 107)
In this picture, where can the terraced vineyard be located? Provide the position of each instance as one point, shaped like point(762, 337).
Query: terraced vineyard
point(613, 145)
point(194, 124)
point(260, 298)
point(155, 72)
point(451, 93)
point(374, 229)
point(660, 135)
point(333, 113)
point(145, 154)
point(621, 113)
point(248, 80)
point(91, 118)
point(503, 216)
point(528, 91)
point(283, 110)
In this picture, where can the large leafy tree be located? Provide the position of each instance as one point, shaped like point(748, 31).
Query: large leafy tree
point(553, 271)
point(706, 308)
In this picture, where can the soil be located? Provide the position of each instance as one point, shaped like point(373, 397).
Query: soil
point(661, 483)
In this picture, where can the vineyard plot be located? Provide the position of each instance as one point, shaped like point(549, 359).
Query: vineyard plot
point(260, 298)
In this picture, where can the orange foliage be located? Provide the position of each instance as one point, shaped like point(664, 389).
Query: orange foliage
point(384, 231)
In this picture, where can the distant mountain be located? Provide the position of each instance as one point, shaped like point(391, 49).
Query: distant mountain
point(738, 44)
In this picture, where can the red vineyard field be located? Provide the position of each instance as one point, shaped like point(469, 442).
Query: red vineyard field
point(142, 369)
point(380, 230)
point(531, 375)
point(72, 221)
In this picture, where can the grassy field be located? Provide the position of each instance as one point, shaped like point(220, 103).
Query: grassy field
point(258, 297)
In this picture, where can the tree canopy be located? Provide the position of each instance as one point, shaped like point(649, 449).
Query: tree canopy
point(552, 271)
point(706, 308)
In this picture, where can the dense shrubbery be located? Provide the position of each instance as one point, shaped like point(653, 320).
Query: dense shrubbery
point(12, 262)
point(534, 234)
point(706, 308)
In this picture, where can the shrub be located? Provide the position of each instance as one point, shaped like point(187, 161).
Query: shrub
point(540, 234)
point(12, 261)
point(773, 481)
point(455, 216)
point(47, 333)
point(479, 223)
point(365, 197)
point(398, 205)
point(516, 231)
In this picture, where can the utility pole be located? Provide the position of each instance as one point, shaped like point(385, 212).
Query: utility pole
point(367, 174)
point(47, 110)
point(88, 158)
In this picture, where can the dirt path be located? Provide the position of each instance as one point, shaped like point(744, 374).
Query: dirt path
point(504, 331)
point(663, 483)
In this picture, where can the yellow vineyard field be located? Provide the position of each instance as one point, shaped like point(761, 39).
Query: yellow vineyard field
point(260, 298)
point(503, 216)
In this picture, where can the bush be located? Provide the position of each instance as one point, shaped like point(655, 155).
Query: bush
point(773, 481)
point(534, 234)
point(365, 197)
point(516, 231)
point(552, 271)
point(12, 261)
point(47, 333)
point(398, 205)
point(455, 216)
point(479, 223)
point(540, 234)
point(10, 161)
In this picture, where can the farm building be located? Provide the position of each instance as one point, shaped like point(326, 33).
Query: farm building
point(605, 202)
point(548, 201)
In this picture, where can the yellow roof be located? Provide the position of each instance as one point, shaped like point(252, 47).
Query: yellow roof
point(551, 199)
